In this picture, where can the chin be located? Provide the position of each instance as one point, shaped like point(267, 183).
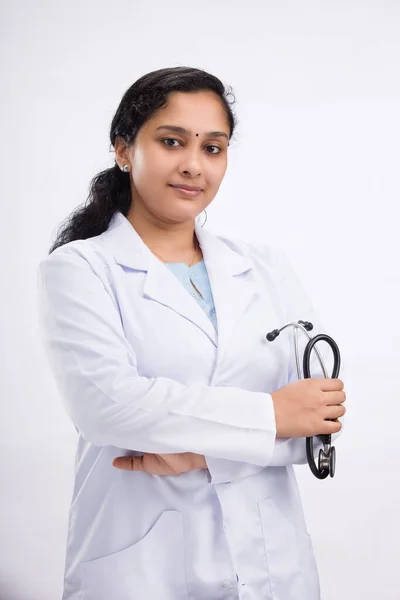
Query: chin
point(182, 217)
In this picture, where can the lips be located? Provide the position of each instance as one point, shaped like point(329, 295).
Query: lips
point(187, 193)
point(187, 187)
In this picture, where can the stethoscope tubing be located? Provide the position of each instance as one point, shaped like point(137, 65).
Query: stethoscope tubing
point(321, 473)
point(327, 457)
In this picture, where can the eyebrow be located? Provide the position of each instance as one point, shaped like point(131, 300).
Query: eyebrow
point(185, 131)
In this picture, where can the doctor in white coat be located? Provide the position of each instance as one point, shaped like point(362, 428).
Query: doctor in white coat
point(189, 421)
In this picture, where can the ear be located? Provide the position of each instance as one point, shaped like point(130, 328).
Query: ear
point(121, 150)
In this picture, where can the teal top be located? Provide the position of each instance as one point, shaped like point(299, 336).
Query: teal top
point(198, 274)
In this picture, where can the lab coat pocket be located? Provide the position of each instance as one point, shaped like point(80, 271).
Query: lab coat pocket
point(289, 555)
point(153, 567)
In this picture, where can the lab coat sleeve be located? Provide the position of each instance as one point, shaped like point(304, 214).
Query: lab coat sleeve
point(109, 403)
point(298, 306)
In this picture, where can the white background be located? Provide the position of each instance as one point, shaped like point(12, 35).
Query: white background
point(313, 169)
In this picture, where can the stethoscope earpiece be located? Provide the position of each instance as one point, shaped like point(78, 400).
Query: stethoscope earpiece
point(307, 325)
point(272, 335)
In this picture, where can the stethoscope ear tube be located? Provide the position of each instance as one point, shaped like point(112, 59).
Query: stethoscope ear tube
point(327, 457)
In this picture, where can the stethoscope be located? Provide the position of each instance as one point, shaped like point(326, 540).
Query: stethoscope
point(327, 456)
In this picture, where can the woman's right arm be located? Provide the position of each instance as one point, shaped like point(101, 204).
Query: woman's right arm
point(111, 404)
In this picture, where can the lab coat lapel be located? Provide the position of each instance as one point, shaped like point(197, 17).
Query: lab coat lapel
point(225, 267)
point(160, 284)
point(163, 286)
point(232, 288)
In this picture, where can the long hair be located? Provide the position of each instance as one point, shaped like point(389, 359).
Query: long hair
point(110, 189)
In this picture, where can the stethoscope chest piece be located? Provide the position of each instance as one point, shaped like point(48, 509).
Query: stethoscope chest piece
point(327, 461)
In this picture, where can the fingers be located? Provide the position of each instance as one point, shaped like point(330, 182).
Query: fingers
point(329, 385)
point(128, 463)
point(330, 427)
point(334, 398)
point(334, 412)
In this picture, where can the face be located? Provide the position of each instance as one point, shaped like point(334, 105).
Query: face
point(161, 158)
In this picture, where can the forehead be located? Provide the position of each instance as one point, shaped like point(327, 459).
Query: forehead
point(202, 111)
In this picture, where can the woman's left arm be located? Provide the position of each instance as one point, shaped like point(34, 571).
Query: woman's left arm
point(287, 451)
point(161, 464)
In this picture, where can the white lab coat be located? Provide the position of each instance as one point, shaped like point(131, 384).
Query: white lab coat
point(140, 369)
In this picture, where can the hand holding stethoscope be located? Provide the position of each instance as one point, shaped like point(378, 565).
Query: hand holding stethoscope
point(327, 456)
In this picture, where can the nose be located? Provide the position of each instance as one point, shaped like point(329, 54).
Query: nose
point(191, 164)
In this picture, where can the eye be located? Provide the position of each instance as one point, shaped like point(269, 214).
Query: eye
point(169, 140)
point(175, 140)
point(217, 147)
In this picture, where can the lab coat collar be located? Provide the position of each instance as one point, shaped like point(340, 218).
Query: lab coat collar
point(223, 263)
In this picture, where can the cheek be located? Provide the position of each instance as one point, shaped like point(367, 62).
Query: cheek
point(216, 172)
point(139, 166)
point(148, 168)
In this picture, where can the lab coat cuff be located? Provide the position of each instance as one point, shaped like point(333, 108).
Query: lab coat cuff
point(226, 471)
point(261, 445)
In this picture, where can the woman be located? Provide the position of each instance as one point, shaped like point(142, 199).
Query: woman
point(189, 421)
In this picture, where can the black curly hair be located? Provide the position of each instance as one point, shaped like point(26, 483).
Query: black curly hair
point(110, 189)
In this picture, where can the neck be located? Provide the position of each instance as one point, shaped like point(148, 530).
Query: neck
point(172, 242)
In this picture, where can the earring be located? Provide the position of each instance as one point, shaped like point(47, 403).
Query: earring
point(125, 168)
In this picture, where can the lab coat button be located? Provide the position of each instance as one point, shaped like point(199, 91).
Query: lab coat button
point(227, 584)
